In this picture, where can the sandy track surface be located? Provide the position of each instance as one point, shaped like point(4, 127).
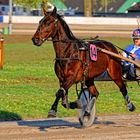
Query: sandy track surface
point(120, 127)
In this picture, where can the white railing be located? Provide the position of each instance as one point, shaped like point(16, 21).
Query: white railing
point(77, 20)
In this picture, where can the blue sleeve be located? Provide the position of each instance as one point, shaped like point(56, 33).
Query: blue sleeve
point(129, 48)
point(138, 54)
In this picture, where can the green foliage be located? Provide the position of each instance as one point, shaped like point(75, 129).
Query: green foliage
point(29, 3)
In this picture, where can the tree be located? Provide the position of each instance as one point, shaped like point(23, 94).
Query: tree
point(29, 3)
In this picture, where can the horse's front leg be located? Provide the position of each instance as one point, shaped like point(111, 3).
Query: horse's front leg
point(61, 93)
point(66, 79)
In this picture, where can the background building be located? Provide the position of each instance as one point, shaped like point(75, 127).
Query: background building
point(17, 9)
point(79, 7)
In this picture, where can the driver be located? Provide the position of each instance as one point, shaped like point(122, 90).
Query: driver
point(133, 52)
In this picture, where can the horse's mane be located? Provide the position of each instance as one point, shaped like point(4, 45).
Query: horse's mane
point(66, 28)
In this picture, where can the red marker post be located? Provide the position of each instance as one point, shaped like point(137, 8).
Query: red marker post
point(1, 52)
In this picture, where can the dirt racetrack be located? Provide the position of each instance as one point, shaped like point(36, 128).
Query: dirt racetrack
point(116, 127)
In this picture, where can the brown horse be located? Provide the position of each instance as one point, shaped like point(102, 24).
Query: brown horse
point(72, 65)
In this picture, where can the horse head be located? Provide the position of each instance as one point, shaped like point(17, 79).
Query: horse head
point(46, 27)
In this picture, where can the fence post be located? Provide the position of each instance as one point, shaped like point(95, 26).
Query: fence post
point(1, 52)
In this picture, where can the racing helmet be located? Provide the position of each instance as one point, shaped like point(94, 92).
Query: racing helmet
point(136, 33)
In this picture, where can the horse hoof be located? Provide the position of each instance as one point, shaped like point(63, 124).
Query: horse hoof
point(65, 106)
point(51, 114)
point(77, 104)
point(130, 107)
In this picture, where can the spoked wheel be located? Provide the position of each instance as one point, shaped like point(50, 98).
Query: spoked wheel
point(88, 109)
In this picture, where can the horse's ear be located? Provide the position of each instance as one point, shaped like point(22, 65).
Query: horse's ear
point(43, 5)
point(44, 11)
point(54, 12)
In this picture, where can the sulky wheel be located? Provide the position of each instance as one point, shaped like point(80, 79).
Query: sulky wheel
point(88, 109)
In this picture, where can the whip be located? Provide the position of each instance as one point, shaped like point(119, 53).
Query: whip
point(138, 21)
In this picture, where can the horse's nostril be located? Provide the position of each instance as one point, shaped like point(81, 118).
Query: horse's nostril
point(35, 40)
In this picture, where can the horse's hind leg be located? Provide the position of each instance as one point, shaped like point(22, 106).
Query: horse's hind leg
point(88, 104)
point(116, 75)
point(93, 93)
point(92, 89)
point(123, 90)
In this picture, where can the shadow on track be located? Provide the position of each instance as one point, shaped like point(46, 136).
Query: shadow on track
point(57, 123)
point(9, 116)
point(50, 123)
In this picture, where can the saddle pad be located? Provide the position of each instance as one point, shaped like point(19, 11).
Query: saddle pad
point(93, 52)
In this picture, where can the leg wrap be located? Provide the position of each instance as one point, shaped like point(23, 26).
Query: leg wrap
point(129, 105)
point(127, 99)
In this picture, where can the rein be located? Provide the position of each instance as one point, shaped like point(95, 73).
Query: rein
point(76, 41)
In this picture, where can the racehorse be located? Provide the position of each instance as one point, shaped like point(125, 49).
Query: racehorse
point(72, 65)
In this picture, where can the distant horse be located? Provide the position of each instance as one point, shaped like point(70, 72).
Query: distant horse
point(72, 65)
